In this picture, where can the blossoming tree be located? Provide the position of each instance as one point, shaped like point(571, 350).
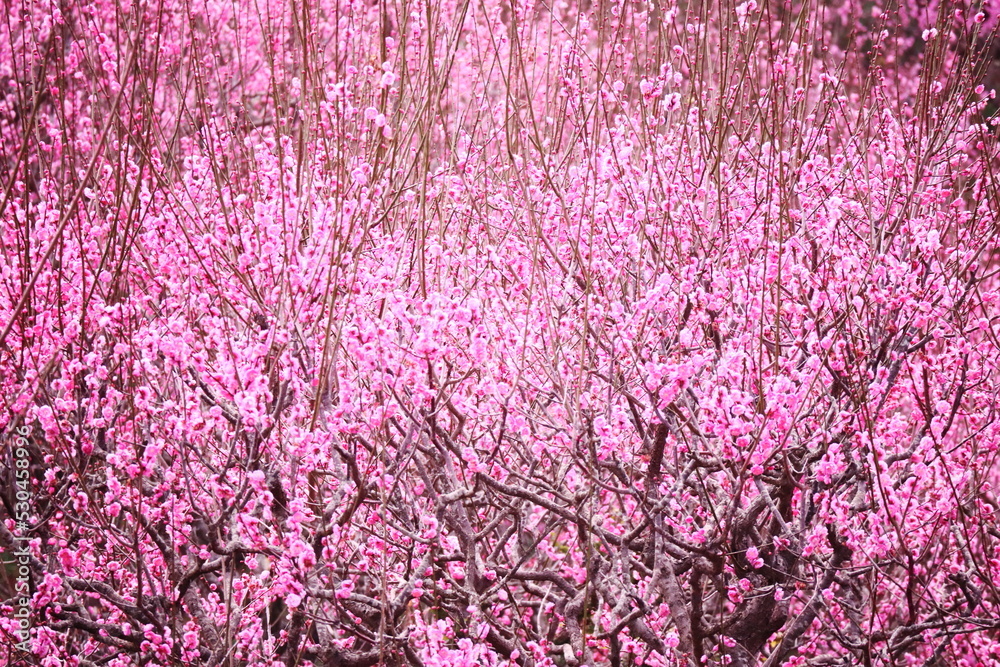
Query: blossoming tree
point(445, 333)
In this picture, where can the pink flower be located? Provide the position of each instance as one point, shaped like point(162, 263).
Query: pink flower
point(345, 589)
